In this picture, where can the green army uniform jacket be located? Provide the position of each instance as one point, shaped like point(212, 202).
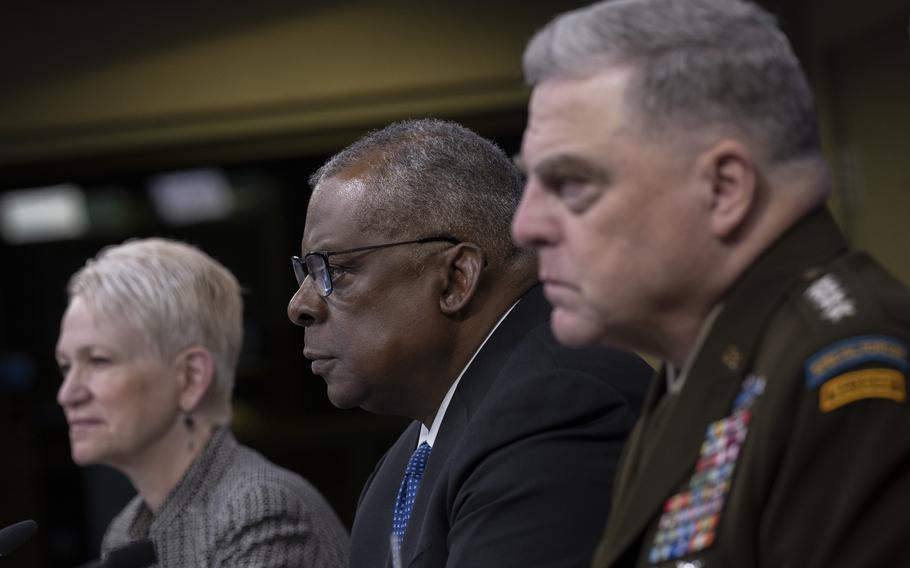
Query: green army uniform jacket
point(789, 444)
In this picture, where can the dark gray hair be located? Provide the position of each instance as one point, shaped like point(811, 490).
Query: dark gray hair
point(433, 177)
point(697, 65)
point(176, 296)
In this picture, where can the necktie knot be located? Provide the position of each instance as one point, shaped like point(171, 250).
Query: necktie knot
point(418, 461)
point(408, 489)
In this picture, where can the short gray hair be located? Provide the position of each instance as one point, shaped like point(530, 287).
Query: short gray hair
point(697, 65)
point(176, 296)
point(434, 176)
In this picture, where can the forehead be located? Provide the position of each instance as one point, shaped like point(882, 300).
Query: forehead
point(572, 115)
point(82, 327)
point(334, 213)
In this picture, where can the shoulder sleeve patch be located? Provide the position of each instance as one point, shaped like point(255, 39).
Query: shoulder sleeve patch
point(858, 385)
point(848, 353)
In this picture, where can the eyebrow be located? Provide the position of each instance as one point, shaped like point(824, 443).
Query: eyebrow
point(332, 251)
point(319, 249)
point(563, 165)
point(83, 350)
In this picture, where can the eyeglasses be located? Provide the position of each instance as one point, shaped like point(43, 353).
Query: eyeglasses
point(316, 264)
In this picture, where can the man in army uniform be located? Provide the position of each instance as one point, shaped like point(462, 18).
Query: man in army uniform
point(675, 196)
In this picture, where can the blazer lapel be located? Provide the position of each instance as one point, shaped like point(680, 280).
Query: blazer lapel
point(373, 522)
point(455, 420)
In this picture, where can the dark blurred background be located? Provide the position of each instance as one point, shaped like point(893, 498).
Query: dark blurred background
point(202, 121)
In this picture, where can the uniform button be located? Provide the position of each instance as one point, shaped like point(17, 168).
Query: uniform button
point(732, 357)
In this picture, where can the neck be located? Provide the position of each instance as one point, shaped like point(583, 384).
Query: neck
point(157, 469)
point(470, 332)
point(689, 332)
point(793, 191)
point(669, 336)
point(458, 352)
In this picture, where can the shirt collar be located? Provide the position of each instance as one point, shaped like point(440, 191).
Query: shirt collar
point(676, 380)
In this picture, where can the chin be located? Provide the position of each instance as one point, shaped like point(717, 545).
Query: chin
point(93, 452)
point(342, 398)
point(85, 456)
point(573, 331)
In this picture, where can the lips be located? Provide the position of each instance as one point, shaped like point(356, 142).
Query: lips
point(322, 367)
point(314, 355)
point(552, 282)
point(80, 426)
point(322, 362)
point(559, 286)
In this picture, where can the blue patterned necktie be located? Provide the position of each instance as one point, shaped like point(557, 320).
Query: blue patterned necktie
point(408, 490)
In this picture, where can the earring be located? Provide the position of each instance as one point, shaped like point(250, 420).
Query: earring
point(190, 424)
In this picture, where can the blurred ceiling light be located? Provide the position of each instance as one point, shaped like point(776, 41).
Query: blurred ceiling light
point(43, 214)
point(191, 196)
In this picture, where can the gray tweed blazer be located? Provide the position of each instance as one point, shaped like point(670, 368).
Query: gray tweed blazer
point(234, 508)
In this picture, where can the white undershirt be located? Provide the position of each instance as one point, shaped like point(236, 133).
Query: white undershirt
point(429, 435)
point(675, 381)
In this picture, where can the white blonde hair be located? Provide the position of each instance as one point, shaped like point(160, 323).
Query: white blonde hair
point(177, 297)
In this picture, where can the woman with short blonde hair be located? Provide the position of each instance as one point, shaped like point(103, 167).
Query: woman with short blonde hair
point(148, 349)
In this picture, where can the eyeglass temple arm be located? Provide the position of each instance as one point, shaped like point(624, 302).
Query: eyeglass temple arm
point(443, 238)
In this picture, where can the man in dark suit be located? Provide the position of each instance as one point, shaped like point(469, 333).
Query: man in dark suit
point(675, 196)
point(416, 302)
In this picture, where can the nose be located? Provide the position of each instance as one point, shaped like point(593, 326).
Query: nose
point(306, 306)
point(535, 224)
point(73, 390)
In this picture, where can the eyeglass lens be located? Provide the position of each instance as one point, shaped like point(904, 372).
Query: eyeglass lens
point(316, 266)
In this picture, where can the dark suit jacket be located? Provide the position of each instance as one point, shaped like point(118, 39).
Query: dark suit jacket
point(522, 467)
point(822, 477)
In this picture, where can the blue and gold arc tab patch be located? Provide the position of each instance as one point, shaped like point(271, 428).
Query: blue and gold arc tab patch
point(858, 385)
point(844, 355)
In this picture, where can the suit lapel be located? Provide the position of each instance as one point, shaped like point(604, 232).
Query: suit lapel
point(532, 310)
point(714, 379)
point(373, 522)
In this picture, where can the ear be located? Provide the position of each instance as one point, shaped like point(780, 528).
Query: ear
point(729, 170)
point(196, 370)
point(464, 263)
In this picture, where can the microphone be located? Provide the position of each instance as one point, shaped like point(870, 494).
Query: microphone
point(13, 536)
point(138, 554)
